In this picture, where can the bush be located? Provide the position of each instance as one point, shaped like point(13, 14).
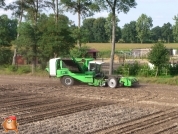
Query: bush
point(24, 69)
point(19, 69)
point(12, 68)
point(80, 52)
point(5, 56)
point(173, 69)
point(129, 69)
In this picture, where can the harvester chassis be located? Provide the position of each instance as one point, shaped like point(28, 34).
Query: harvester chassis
point(85, 70)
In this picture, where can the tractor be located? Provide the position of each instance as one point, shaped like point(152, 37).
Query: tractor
point(85, 70)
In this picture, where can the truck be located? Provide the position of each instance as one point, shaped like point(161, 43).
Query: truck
point(86, 70)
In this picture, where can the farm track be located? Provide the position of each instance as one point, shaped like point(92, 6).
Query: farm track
point(37, 100)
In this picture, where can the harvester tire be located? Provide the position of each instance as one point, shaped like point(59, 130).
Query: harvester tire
point(112, 82)
point(67, 81)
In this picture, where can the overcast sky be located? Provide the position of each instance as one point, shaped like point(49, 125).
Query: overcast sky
point(161, 11)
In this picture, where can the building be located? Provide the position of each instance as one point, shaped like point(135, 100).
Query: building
point(93, 53)
point(140, 52)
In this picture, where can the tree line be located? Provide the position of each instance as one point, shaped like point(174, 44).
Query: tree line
point(34, 33)
point(140, 31)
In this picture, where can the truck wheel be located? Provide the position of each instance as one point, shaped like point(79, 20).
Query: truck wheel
point(67, 81)
point(112, 82)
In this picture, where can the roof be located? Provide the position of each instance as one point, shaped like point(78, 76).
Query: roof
point(92, 50)
point(97, 62)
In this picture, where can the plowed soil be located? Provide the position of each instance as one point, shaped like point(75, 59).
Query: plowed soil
point(43, 106)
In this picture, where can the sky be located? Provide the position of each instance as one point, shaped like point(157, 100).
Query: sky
point(161, 11)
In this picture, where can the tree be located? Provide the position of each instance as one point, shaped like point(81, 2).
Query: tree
point(18, 8)
point(108, 27)
point(125, 33)
point(166, 31)
point(60, 41)
point(33, 12)
point(84, 8)
point(156, 34)
point(115, 6)
point(2, 3)
point(7, 35)
point(80, 52)
point(54, 5)
point(143, 25)
point(175, 29)
point(88, 26)
point(118, 34)
point(99, 31)
point(5, 56)
point(159, 56)
point(129, 32)
point(27, 40)
point(7, 31)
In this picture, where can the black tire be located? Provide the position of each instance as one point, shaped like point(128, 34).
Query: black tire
point(67, 81)
point(112, 82)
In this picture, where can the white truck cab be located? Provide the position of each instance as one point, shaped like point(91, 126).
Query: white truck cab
point(53, 66)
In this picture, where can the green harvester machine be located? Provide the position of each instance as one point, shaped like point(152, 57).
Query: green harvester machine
point(85, 70)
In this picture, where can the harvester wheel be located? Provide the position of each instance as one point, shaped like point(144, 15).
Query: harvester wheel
point(112, 82)
point(67, 81)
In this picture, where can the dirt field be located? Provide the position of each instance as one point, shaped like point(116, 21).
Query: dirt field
point(44, 106)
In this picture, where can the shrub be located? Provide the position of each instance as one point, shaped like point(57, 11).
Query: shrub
point(24, 69)
point(80, 52)
point(5, 56)
point(12, 68)
point(129, 69)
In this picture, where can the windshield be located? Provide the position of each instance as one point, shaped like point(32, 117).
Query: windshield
point(94, 67)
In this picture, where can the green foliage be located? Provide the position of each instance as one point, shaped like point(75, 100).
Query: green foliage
point(113, 7)
point(2, 3)
point(81, 34)
point(85, 8)
point(45, 40)
point(143, 25)
point(27, 41)
point(129, 69)
point(99, 30)
point(166, 31)
point(156, 34)
point(12, 68)
point(88, 26)
point(55, 40)
point(143, 70)
point(173, 69)
point(129, 32)
point(80, 52)
point(175, 28)
point(7, 30)
point(5, 56)
point(24, 69)
point(108, 28)
point(119, 6)
point(17, 7)
point(159, 56)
